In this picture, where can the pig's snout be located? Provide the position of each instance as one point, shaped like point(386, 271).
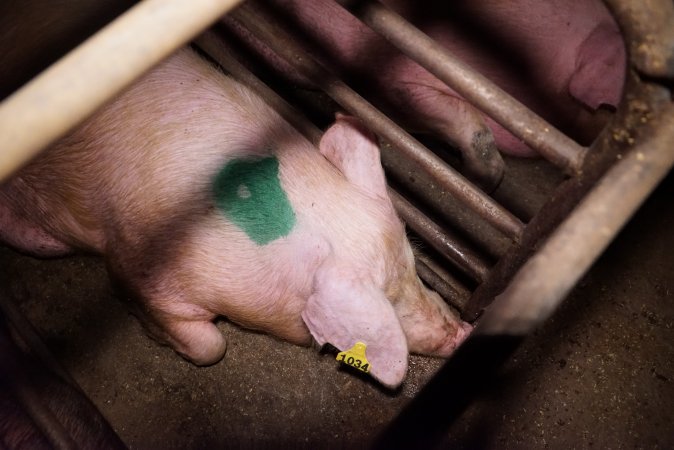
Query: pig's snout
point(452, 343)
point(430, 325)
point(441, 339)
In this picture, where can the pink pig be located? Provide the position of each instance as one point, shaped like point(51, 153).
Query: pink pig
point(205, 203)
point(565, 59)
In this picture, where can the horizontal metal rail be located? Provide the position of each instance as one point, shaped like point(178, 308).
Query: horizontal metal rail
point(461, 256)
point(75, 86)
point(262, 25)
point(545, 279)
point(447, 245)
point(648, 28)
point(406, 177)
point(551, 143)
point(212, 44)
point(442, 282)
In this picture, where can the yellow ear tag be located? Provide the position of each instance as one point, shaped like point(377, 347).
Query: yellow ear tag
point(355, 357)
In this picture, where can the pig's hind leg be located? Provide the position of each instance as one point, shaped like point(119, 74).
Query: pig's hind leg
point(458, 123)
point(27, 237)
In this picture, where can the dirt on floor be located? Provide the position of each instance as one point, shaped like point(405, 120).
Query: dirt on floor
point(599, 374)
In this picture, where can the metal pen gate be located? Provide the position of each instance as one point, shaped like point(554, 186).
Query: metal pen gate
point(508, 295)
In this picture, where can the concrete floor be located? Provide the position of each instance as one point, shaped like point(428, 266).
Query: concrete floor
point(599, 374)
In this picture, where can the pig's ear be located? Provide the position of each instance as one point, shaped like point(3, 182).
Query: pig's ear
point(354, 151)
point(344, 310)
point(600, 69)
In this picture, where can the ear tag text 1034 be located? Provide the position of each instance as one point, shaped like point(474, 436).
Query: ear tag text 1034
point(355, 357)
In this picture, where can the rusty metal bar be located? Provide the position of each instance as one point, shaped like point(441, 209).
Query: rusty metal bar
point(643, 101)
point(446, 244)
point(435, 281)
point(552, 144)
point(471, 368)
point(417, 185)
point(462, 257)
point(262, 24)
point(212, 44)
point(649, 30)
point(543, 282)
point(80, 82)
point(442, 282)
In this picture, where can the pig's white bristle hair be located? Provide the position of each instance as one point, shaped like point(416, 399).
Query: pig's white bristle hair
point(415, 242)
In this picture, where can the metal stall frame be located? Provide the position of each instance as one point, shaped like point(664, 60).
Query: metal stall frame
point(606, 183)
point(644, 101)
point(70, 90)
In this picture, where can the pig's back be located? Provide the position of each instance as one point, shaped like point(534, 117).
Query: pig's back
point(166, 135)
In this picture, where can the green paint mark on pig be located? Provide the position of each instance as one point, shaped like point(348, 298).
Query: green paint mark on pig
point(249, 193)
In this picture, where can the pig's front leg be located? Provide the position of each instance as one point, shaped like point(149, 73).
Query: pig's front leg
point(172, 317)
point(455, 121)
point(195, 337)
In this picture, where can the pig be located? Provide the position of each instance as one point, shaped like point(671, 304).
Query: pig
point(205, 203)
point(564, 59)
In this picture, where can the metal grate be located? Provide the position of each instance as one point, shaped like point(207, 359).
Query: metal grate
point(481, 281)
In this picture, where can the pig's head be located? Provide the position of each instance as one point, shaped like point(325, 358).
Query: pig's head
point(429, 324)
point(371, 292)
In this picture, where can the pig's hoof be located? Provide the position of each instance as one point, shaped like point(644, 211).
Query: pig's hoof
point(482, 162)
point(199, 342)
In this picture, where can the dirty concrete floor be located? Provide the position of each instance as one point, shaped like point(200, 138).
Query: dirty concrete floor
point(599, 374)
